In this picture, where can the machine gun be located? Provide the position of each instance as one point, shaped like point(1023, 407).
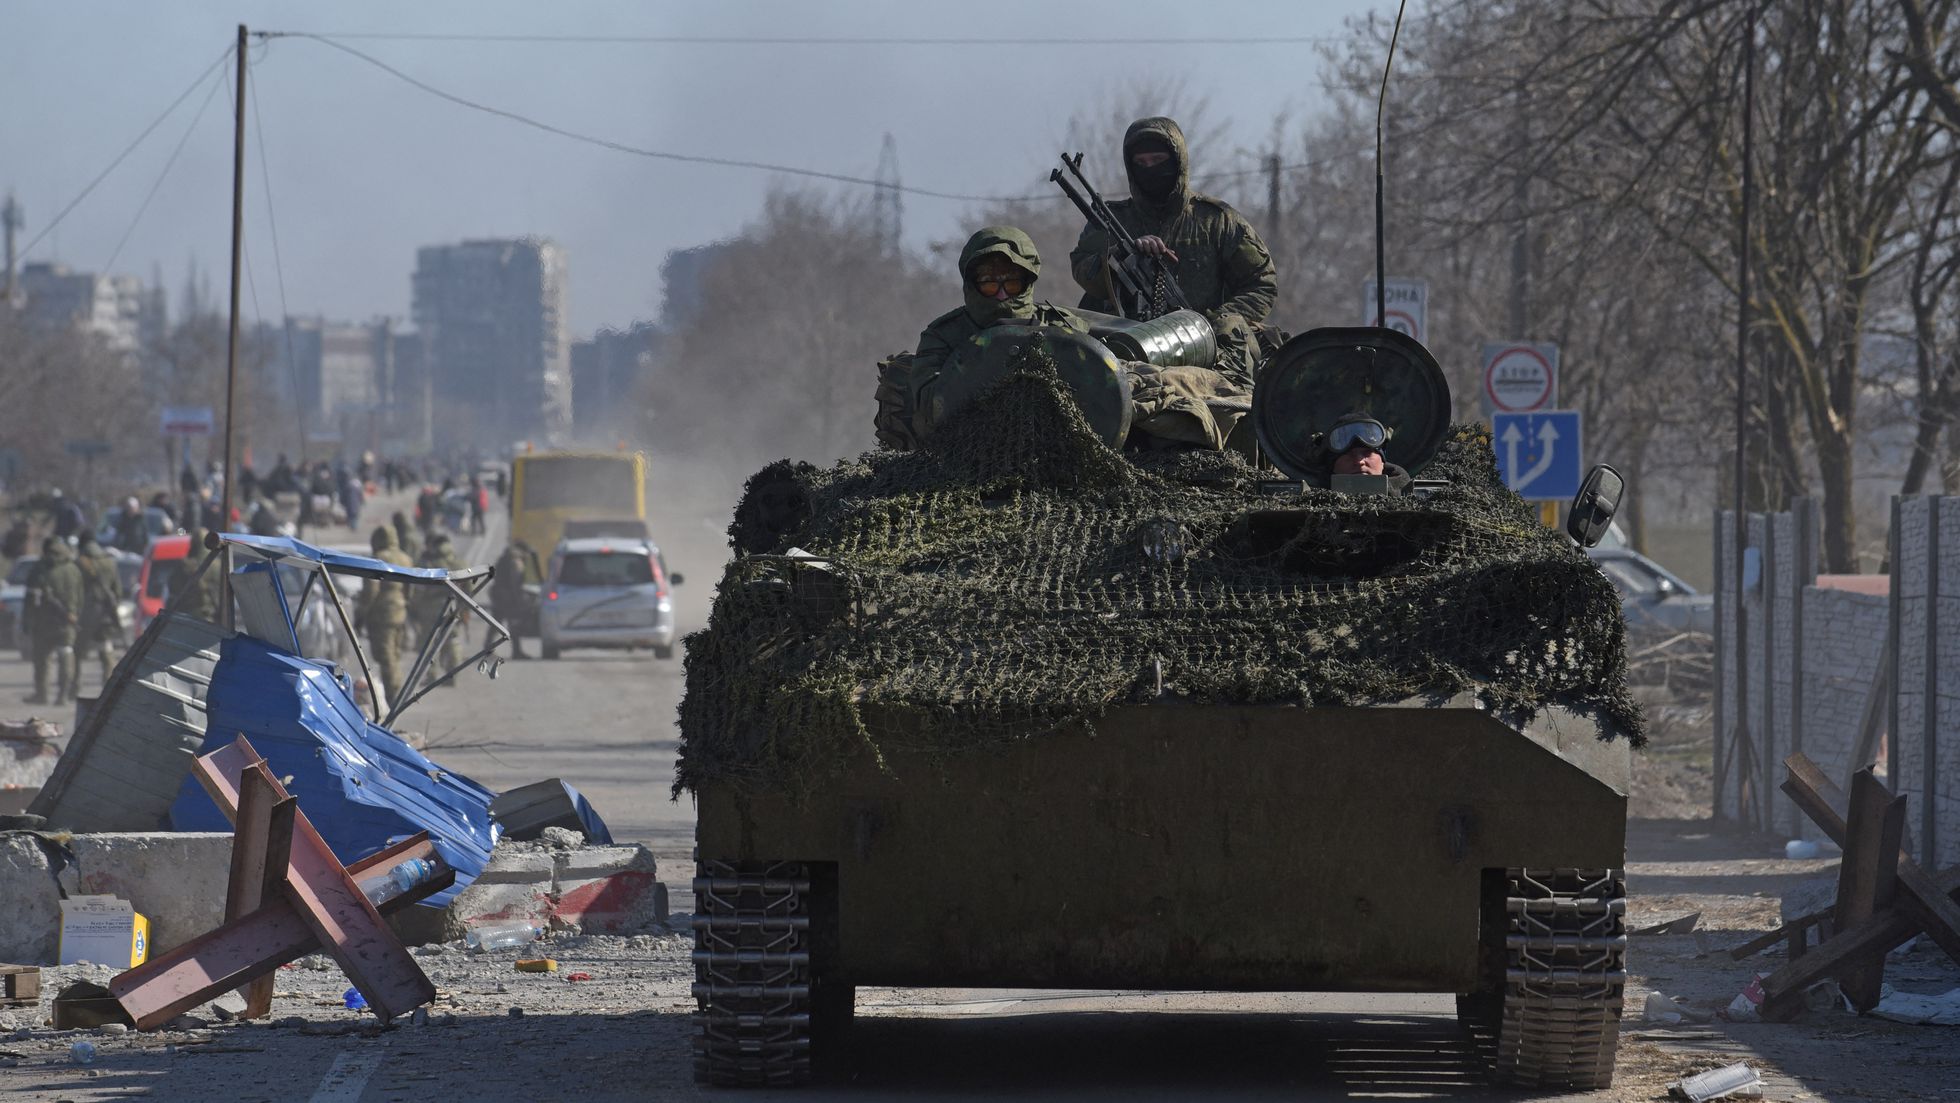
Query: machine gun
point(1143, 287)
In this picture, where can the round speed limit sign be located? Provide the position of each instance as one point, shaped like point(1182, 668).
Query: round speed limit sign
point(1520, 378)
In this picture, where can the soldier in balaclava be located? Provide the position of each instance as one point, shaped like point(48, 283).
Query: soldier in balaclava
point(1218, 259)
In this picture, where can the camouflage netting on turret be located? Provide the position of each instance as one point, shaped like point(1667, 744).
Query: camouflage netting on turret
point(1020, 576)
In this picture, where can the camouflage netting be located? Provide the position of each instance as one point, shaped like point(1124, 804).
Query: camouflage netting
point(1019, 576)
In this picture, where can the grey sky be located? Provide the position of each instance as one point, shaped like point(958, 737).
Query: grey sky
point(365, 168)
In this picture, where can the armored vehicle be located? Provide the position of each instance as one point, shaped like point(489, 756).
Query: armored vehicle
point(1020, 709)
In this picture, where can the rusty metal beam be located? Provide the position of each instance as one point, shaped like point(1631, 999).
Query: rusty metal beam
point(1867, 876)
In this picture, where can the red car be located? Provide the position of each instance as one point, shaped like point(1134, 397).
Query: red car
point(153, 583)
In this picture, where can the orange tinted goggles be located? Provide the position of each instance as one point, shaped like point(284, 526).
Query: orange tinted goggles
point(992, 286)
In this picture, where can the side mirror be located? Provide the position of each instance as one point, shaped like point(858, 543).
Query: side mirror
point(1665, 588)
point(1594, 506)
point(677, 578)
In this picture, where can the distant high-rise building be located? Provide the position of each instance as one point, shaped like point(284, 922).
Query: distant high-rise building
point(492, 320)
point(681, 277)
point(362, 384)
point(116, 308)
point(606, 376)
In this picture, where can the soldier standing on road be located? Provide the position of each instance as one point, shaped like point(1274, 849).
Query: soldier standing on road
point(199, 596)
point(425, 603)
point(507, 593)
point(405, 535)
point(384, 614)
point(1216, 256)
point(100, 629)
point(54, 604)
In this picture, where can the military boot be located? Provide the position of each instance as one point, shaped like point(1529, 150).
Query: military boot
point(40, 694)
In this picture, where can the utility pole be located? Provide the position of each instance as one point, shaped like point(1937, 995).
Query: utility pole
point(10, 218)
point(887, 204)
point(1521, 224)
point(231, 348)
point(1275, 234)
point(1745, 760)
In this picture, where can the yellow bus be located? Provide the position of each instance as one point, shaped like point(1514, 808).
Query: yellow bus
point(603, 490)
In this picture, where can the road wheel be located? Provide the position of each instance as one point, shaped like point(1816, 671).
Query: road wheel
point(550, 650)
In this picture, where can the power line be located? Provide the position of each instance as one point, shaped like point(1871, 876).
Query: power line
point(688, 158)
point(738, 40)
point(161, 176)
point(126, 151)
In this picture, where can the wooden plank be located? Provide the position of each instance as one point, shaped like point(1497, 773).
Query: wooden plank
point(229, 957)
point(1867, 877)
point(1922, 901)
point(1792, 930)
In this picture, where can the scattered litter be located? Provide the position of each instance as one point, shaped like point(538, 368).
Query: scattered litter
point(112, 1029)
point(578, 976)
point(82, 1053)
point(1682, 925)
point(1907, 1007)
point(1747, 1006)
point(1800, 848)
point(537, 965)
point(502, 936)
point(1719, 1083)
point(528, 811)
point(354, 1000)
point(1660, 1009)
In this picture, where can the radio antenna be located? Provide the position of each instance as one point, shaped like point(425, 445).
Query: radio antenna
point(1381, 104)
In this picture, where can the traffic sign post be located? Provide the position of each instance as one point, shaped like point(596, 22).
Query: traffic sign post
point(1408, 307)
point(1520, 377)
point(188, 421)
point(1540, 455)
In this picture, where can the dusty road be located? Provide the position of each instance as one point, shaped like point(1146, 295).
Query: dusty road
point(605, 722)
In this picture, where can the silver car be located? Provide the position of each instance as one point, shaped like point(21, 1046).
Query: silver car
point(607, 592)
point(1655, 600)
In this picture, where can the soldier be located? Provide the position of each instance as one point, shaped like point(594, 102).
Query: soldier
point(425, 603)
point(384, 614)
point(507, 592)
point(405, 536)
point(199, 596)
point(100, 628)
point(1217, 257)
point(53, 608)
point(999, 268)
point(1356, 441)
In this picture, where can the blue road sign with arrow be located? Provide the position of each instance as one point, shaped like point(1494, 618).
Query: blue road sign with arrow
point(1540, 455)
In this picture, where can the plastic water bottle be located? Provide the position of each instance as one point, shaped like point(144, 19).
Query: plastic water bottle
point(82, 1053)
point(354, 1000)
point(396, 880)
point(502, 936)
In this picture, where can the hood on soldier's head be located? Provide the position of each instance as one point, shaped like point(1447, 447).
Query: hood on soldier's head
point(382, 538)
point(57, 550)
point(1159, 129)
point(85, 541)
point(1015, 246)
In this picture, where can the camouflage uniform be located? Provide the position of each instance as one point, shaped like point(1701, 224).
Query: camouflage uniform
point(425, 604)
point(189, 594)
point(384, 615)
point(53, 608)
point(937, 357)
point(507, 593)
point(100, 629)
point(1222, 265)
point(405, 536)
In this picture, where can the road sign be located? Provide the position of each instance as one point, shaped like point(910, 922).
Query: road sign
point(1408, 306)
point(188, 421)
point(1540, 455)
point(1520, 377)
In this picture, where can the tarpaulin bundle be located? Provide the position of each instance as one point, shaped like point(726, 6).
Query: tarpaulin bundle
point(1017, 575)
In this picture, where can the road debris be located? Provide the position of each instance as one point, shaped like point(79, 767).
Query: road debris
point(1906, 1007)
point(1722, 1083)
point(536, 965)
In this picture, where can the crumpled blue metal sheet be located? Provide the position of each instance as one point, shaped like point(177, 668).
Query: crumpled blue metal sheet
point(360, 785)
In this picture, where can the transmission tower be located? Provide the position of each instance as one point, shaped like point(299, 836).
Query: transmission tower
point(887, 206)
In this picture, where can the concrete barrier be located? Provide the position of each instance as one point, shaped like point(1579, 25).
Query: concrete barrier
point(177, 879)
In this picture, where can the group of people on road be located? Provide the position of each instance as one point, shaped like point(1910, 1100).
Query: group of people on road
point(70, 612)
point(1219, 262)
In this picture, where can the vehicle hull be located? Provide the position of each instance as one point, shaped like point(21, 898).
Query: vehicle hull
point(1185, 847)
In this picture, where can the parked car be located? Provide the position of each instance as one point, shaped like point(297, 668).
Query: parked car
point(13, 598)
point(1654, 599)
point(603, 592)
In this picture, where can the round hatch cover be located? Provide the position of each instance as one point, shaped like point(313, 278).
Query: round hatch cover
point(1325, 373)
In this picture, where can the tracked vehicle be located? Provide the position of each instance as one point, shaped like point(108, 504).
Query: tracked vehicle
point(1022, 710)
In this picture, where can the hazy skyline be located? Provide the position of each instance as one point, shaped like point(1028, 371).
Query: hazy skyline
point(364, 168)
